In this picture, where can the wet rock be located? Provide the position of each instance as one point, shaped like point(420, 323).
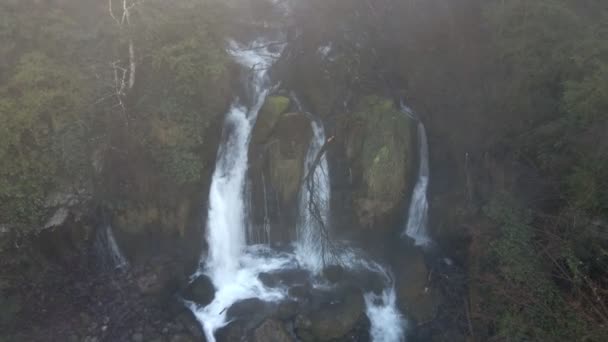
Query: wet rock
point(277, 167)
point(414, 293)
point(299, 292)
point(233, 332)
point(268, 117)
point(64, 244)
point(334, 273)
point(287, 309)
point(284, 278)
point(334, 319)
point(286, 154)
point(200, 291)
point(245, 316)
point(160, 278)
point(249, 308)
point(137, 337)
point(271, 331)
point(366, 280)
point(189, 323)
point(183, 338)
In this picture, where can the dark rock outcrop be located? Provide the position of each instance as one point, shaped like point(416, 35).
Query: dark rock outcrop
point(333, 319)
point(271, 331)
point(277, 155)
point(201, 291)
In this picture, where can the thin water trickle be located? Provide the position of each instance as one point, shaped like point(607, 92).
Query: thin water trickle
point(107, 249)
point(416, 227)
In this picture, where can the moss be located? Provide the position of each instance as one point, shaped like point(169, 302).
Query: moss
point(384, 148)
point(269, 116)
point(274, 107)
point(287, 154)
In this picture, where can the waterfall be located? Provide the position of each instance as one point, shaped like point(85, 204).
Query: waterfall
point(233, 266)
point(107, 249)
point(226, 219)
point(387, 324)
point(312, 249)
point(416, 227)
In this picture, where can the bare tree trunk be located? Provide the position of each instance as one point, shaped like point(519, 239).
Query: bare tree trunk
point(124, 23)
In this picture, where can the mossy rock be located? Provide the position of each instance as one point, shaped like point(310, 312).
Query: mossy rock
point(287, 153)
point(269, 115)
point(277, 156)
point(271, 331)
point(333, 320)
point(379, 146)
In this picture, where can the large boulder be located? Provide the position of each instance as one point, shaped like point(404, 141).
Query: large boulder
point(200, 291)
point(415, 295)
point(269, 115)
point(271, 331)
point(334, 319)
point(277, 155)
point(377, 142)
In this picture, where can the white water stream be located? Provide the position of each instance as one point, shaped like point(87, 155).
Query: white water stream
point(416, 227)
point(232, 268)
point(313, 221)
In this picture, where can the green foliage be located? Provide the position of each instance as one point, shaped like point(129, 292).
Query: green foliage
point(384, 144)
point(587, 185)
point(588, 98)
point(58, 101)
point(274, 107)
point(526, 303)
point(183, 84)
point(39, 113)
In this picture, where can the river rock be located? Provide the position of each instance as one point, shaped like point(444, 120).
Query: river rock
point(188, 321)
point(271, 331)
point(334, 319)
point(200, 291)
point(415, 295)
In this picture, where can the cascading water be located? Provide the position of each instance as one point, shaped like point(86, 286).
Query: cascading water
point(225, 222)
point(387, 324)
point(232, 267)
point(416, 227)
point(312, 248)
point(107, 249)
point(314, 243)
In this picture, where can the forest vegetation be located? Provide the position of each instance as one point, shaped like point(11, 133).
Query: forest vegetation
point(514, 94)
